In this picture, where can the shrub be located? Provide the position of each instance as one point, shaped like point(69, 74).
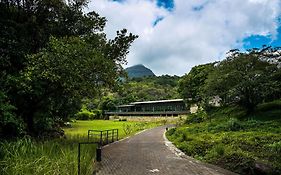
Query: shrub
point(274, 105)
point(276, 147)
point(232, 124)
point(10, 125)
point(97, 114)
point(237, 161)
point(215, 153)
point(84, 115)
point(198, 117)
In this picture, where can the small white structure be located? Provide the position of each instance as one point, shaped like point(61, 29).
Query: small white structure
point(193, 108)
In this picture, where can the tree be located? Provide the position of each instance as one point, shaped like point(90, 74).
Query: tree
point(54, 55)
point(245, 78)
point(191, 84)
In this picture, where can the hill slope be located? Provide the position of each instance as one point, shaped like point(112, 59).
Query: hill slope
point(139, 71)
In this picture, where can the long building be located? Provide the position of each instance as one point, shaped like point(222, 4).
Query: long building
point(172, 107)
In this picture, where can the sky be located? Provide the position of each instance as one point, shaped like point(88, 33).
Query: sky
point(175, 35)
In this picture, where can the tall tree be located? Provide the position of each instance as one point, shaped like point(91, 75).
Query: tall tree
point(190, 85)
point(53, 55)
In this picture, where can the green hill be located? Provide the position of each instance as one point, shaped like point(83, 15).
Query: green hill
point(139, 71)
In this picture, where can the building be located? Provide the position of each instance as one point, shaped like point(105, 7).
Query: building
point(172, 107)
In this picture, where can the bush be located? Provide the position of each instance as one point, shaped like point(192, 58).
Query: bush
point(84, 115)
point(198, 117)
point(274, 105)
point(237, 161)
point(97, 114)
point(10, 125)
point(232, 124)
point(215, 153)
point(276, 147)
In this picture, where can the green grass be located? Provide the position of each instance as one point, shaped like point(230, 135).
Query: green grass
point(54, 157)
point(59, 156)
point(232, 140)
point(81, 127)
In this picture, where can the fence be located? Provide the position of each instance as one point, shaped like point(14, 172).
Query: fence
point(103, 136)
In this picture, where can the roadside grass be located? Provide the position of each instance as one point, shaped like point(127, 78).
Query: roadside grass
point(228, 138)
point(53, 157)
point(27, 156)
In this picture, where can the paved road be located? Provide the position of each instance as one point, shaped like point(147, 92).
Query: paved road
point(150, 153)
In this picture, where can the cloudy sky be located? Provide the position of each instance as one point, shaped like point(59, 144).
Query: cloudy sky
point(175, 35)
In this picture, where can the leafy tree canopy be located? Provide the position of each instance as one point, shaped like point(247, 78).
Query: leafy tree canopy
point(191, 84)
point(246, 78)
point(52, 56)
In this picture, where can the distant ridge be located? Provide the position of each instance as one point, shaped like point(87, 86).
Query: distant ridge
point(139, 71)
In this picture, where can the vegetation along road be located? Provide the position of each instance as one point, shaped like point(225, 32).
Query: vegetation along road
point(150, 153)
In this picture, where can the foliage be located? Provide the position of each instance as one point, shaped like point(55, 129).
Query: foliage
point(191, 84)
point(246, 78)
point(10, 125)
point(243, 146)
point(148, 89)
point(84, 115)
point(198, 117)
point(53, 56)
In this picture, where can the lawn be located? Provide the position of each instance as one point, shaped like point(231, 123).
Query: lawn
point(81, 127)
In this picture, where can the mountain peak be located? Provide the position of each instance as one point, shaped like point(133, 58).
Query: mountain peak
point(139, 70)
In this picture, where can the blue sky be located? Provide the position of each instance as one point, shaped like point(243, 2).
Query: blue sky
point(175, 35)
point(257, 41)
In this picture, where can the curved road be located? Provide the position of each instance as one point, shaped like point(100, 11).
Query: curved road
point(150, 153)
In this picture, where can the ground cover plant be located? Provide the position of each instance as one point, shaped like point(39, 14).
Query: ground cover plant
point(226, 137)
point(59, 156)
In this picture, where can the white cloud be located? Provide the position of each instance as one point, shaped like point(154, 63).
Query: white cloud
point(187, 37)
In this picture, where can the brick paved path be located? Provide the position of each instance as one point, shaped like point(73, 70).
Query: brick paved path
point(148, 153)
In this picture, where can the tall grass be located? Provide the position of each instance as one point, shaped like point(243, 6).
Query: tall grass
point(55, 157)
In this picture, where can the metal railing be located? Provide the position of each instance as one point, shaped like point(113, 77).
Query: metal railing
point(103, 136)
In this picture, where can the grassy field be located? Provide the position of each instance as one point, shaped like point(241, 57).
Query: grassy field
point(126, 128)
point(226, 137)
point(59, 156)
